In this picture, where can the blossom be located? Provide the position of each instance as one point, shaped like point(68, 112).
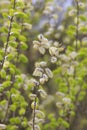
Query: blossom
point(53, 59)
point(38, 72)
point(42, 44)
point(66, 100)
point(49, 72)
point(73, 55)
point(42, 93)
point(32, 96)
point(53, 51)
point(41, 64)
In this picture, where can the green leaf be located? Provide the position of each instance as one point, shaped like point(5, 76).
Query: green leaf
point(15, 32)
point(27, 25)
point(11, 56)
point(13, 107)
point(62, 122)
point(6, 84)
point(22, 38)
point(18, 78)
point(11, 127)
point(23, 58)
point(3, 74)
point(12, 71)
point(3, 102)
point(72, 28)
point(22, 111)
point(23, 46)
point(15, 120)
point(83, 18)
point(20, 15)
point(13, 44)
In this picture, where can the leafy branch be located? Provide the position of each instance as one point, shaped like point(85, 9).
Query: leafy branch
point(8, 36)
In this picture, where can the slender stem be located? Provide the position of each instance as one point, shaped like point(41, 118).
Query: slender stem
point(9, 100)
point(6, 113)
point(34, 113)
point(8, 36)
point(77, 25)
point(77, 37)
point(68, 85)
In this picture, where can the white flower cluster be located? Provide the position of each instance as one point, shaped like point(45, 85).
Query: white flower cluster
point(39, 118)
point(54, 52)
point(69, 62)
point(63, 101)
point(42, 93)
point(43, 44)
point(43, 72)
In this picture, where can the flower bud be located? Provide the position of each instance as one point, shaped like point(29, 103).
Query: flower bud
point(42, 80)
point(40, 37)
point(34, 105)
point(38, 72)
point(49, 73)
point(42, 50)
point(42, 93)
point(32, 96)
point(53, 59)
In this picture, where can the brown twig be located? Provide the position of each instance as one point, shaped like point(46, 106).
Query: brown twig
point(34, 113)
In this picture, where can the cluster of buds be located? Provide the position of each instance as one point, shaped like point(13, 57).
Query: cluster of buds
point(43, 72)
point(55, 51)
point(39, 118)
point(42, 44)
point(53, 48)
point(69, 63)
point(63, 100)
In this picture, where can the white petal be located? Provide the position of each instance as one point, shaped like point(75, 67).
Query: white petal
point(53, 59)
point(40, 37)
point(42, 80)
point(36, 127)
point(70, 70)
point(73, 55)
point(32, 96)
point(36, 47)
point(42, 50)
point(38, 72)
point(67, 100)
point(60, 94)
point(43, 64)
point(36, 42)
point(49, 73)
point(53, 51)
point(39, 114)
point(42, 93)
point(45, 77)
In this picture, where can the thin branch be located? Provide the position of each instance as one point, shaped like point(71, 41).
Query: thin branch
point(8, 36)
point(9, 100)
point(77, 25)
point(6, 113)
point(34, 113)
